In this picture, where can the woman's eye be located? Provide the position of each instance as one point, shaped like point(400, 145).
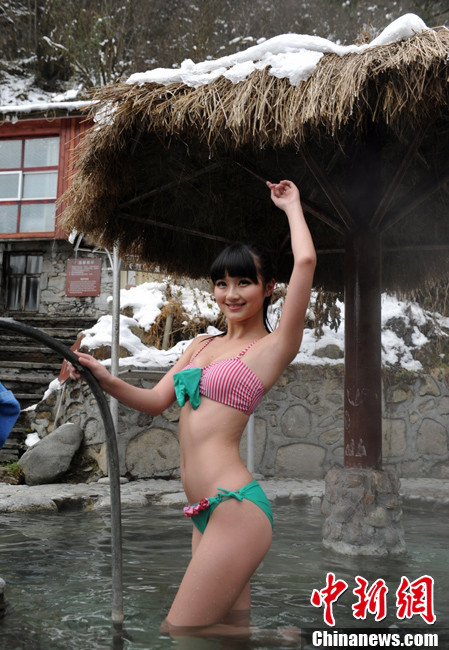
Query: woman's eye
point(220, 283)
point(245, 281)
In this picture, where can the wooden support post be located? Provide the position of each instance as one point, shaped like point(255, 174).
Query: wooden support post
point(360, 518)
point(363, 381)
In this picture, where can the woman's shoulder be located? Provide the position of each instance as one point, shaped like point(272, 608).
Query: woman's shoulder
point(199, 343)
point(201, 339)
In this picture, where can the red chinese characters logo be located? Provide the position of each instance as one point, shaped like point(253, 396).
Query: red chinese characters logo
point(412, 598)
point(416, 598)
point(374, 601)
point(328, 595)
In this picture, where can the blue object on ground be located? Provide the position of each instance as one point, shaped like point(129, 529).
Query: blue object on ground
point(9, 412)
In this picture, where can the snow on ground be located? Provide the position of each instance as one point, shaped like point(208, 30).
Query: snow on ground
point(16, 89)
point(19, 94)
point(147, 300)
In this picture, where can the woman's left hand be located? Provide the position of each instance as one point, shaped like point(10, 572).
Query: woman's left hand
point(284, 193)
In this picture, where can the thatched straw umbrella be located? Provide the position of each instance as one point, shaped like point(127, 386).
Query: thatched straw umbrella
point(171, 172)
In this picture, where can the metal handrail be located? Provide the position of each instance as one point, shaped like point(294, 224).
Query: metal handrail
point(112, 452)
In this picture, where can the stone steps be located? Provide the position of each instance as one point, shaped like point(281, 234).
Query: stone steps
point(34, 354)
point(27, 366)
point(28, 378)
point(5, 366)
point(41, 321)
point(67, 336)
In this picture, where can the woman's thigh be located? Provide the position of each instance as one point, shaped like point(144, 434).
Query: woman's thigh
point(243, 600)
point(232, 546)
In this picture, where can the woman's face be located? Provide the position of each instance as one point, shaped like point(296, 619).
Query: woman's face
point(240, 298)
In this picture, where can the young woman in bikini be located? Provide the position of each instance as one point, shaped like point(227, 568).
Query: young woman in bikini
point(219, 381)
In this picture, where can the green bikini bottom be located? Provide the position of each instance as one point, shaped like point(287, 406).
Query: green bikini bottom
point(200, 512)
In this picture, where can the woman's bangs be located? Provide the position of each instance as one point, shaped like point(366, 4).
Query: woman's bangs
point(236, 261)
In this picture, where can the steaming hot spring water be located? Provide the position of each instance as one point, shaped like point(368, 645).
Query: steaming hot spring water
point(57, 569)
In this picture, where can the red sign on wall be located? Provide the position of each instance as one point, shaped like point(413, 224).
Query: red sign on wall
point(83, 277)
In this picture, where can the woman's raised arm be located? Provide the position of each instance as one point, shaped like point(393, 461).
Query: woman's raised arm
point(285, 195)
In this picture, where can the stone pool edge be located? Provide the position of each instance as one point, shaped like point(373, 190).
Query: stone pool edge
point(57, 497)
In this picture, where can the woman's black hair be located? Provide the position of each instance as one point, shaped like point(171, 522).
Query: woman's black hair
point(245, 261)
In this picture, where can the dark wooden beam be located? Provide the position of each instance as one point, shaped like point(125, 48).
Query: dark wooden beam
point(168, 226)
point(323, 180)
point(169, 186)
point(423, 193)
point(308, 206)
point(391, 190)
point(316, 211)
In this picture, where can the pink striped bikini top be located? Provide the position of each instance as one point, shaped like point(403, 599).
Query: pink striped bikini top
point(228, 381)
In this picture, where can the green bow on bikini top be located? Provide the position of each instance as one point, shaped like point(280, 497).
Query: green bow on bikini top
point(187, 385)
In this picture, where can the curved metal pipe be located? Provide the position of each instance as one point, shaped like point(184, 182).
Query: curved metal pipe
point(112, 452)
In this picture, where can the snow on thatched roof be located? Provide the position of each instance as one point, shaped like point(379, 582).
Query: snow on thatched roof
point(172, 167)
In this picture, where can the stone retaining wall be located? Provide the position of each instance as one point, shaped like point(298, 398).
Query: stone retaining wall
point(298, 426)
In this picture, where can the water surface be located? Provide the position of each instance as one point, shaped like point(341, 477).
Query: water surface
point(58, 575)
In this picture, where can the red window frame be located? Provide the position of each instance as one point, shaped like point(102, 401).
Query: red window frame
point(70, 130)
point(20, 201)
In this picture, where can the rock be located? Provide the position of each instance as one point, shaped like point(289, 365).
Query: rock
point(296, 421)
point(432, 438)
point(300, 459)
point(394, 437)
point(50, 458)
point(330, 351)
point(29, 503)
point(429, 386)
point(153, 453)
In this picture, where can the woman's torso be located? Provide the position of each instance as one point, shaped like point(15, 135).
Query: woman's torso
point(209, 439)
point(210, 434)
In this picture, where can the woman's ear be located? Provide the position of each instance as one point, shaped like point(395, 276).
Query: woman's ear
point(269, 287)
